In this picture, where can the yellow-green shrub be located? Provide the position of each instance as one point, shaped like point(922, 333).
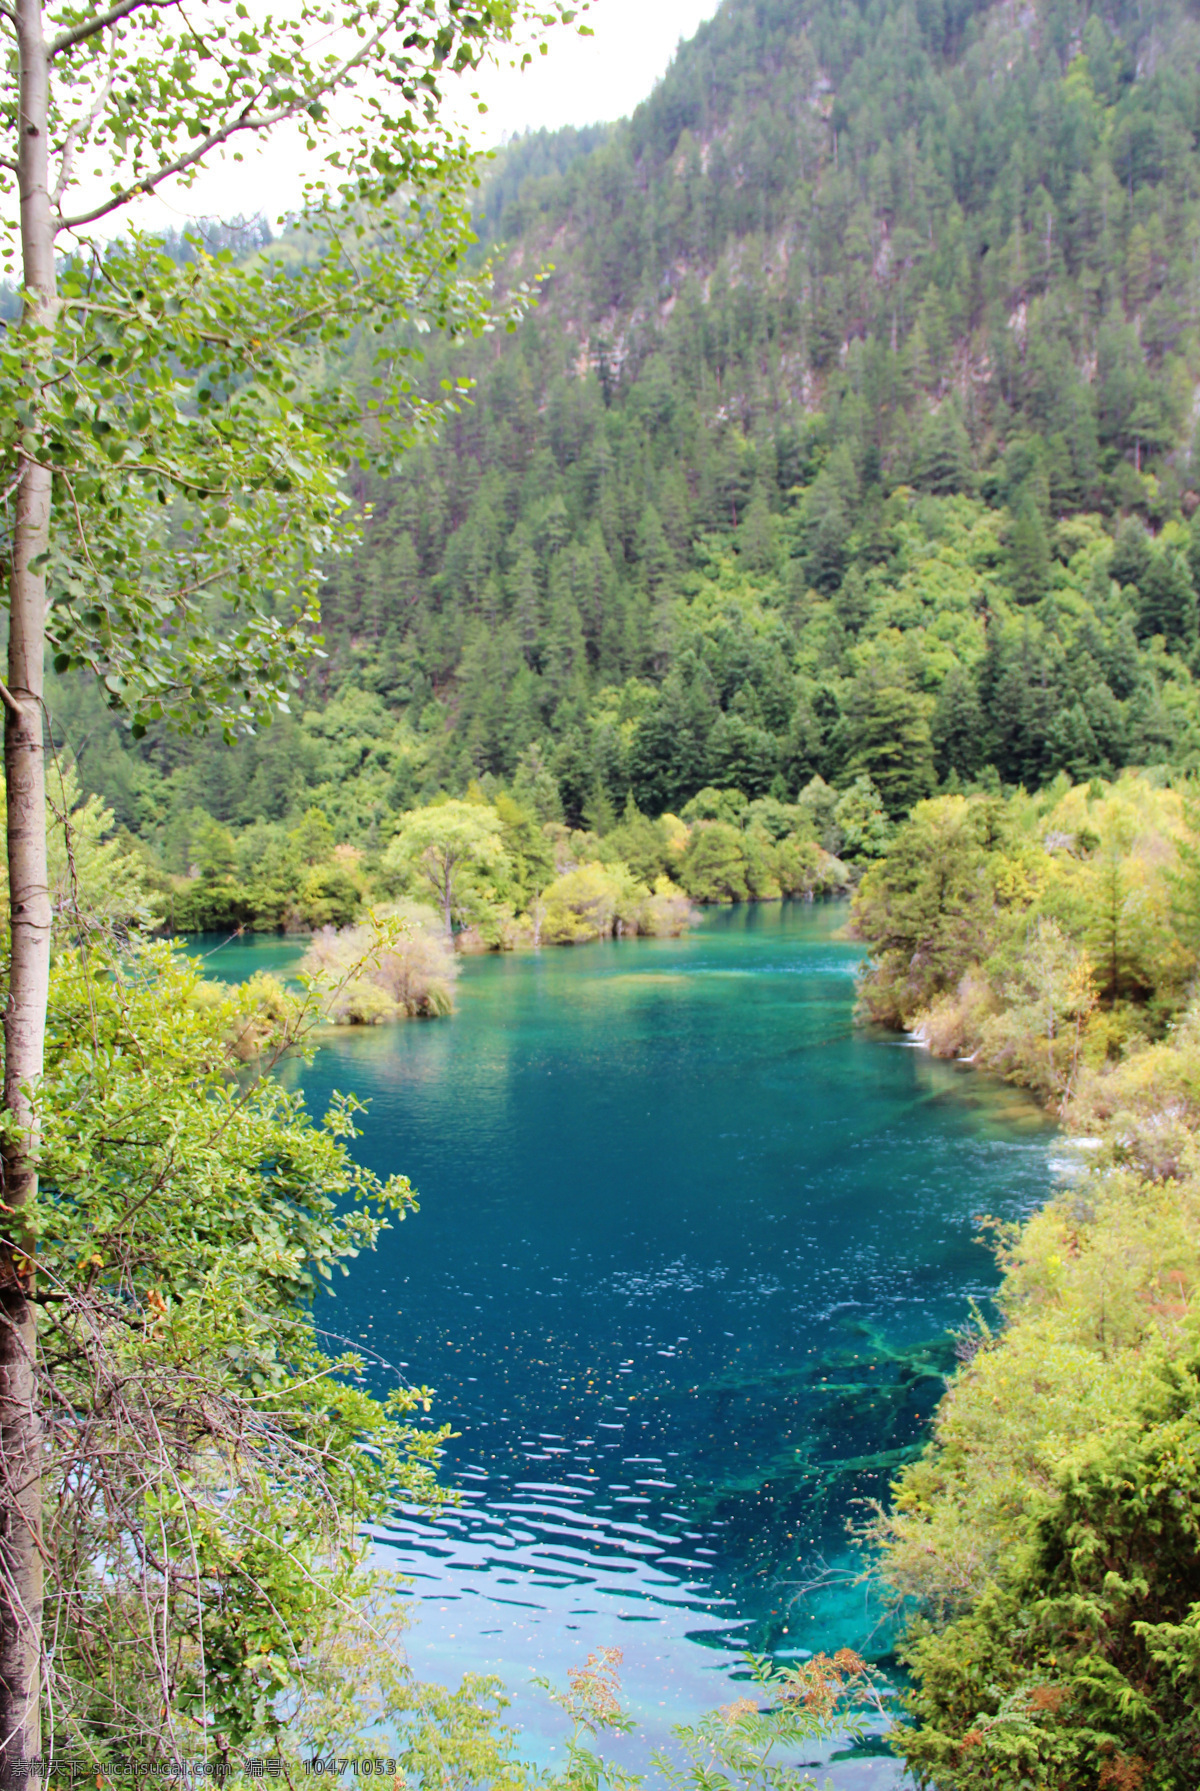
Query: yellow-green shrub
point(585, 903)
point(407, 971)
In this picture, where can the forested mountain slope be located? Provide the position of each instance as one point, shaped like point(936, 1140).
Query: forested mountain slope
point(854, 433)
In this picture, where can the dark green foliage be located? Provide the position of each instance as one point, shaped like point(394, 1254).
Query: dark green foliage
point(888, 740)
point(1077, 1667)
point(1167, 600)
point(1130, 559)
point(957, 726)
point(945, 461)
point(924, 910)
point(1029, 553)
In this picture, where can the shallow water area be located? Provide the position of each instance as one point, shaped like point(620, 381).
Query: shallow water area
point(233, 957)
point(689, 1249)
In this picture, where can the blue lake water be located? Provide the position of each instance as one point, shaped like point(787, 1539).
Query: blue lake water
point(689, 1248)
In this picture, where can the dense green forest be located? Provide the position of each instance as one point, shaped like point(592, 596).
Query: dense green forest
point(853, 435)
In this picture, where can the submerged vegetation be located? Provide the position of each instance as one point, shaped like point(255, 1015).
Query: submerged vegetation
point(214, 1463)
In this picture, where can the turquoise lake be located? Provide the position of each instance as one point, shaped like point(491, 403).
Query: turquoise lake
point(689, 1250)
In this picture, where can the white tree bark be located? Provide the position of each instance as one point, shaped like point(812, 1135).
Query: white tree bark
point(29, 969)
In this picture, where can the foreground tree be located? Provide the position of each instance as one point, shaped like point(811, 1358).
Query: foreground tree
point(1076, 1665)
point(210, 1461)
point(172, 460)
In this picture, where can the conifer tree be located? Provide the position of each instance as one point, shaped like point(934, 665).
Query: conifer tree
point(887, 737)
point(1029, 553)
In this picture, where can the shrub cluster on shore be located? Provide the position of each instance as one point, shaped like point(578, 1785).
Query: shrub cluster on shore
point(406, 972)
point(1046, 1547)
point(1045, 937)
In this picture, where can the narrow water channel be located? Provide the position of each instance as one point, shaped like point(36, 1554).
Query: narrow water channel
point(689, 1250)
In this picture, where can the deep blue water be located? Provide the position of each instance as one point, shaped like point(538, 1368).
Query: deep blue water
point(688, 1251)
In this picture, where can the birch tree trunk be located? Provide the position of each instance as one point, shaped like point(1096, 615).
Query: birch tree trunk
point(29, 969)
point(165, 134)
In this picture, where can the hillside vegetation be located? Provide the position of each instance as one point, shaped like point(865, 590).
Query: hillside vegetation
point(1044, 1549)
point(854, 435)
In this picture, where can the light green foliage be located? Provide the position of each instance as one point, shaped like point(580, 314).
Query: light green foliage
point(640, 843)
point(1076, 1665)
point(359, 1699)
point(591, 1703)
point(1044, 1546)
point(728, 806)
point(724, 864)
point(595, 900)
point(452, 847)
point(1046, 1000)
point(527, 851)
point(1009, 1419)
point(182, 400)
point(926, 908)
point(1034, 933)
point(714, 866)
point(860, 822)
point(587, 903)
point(806, 869)
point(663, 912)
point(209, 1465)
point(267, 877)
point(505, 878)
point(96, 883)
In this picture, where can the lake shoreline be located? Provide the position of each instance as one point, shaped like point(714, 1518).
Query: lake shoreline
point(688, 1237)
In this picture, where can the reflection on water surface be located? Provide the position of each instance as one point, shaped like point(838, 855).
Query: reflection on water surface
point(688, 1252)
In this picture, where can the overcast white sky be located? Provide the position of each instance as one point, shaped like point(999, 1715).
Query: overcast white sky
point(591, 80)
point(587, 80)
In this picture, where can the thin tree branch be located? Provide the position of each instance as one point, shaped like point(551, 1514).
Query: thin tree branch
point(78, 521)
point(244, 121)
point(79, 132)
point(78, 34)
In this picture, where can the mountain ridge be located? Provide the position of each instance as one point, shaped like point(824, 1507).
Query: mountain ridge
point(852, 437)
